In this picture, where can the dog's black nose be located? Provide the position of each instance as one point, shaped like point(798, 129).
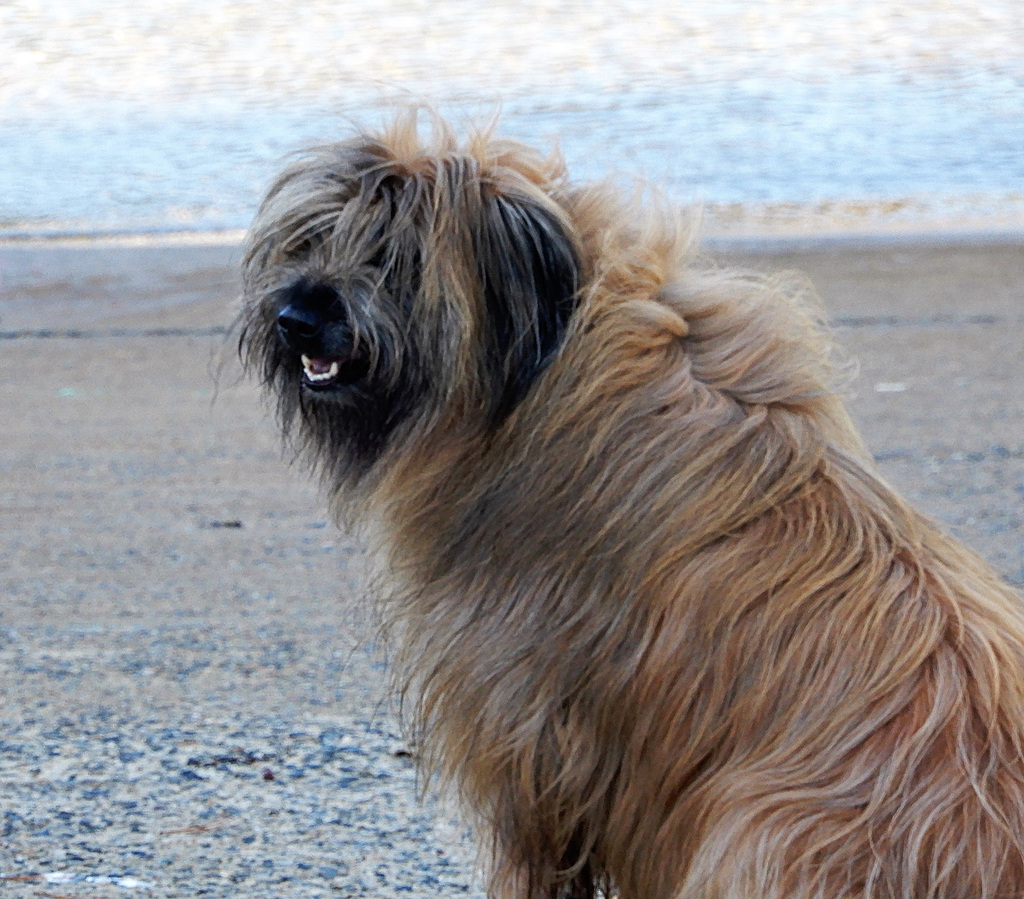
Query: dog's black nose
point(299, 324)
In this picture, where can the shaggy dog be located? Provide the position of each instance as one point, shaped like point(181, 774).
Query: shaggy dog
point(660, 620)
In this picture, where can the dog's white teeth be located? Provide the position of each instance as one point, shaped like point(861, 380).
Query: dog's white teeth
point(315, 371)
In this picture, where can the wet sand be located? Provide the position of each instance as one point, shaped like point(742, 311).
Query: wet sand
point(190, 704)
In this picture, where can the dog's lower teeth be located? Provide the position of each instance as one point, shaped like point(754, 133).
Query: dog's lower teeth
point(319, 377)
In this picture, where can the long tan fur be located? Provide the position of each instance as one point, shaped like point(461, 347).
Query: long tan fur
point(660, 622)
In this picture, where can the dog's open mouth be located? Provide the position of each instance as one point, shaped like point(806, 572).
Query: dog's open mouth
point(321, 373)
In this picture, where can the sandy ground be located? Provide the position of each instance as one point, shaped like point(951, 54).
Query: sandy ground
point(189, 704)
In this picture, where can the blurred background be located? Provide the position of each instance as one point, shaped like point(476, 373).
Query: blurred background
point(169, 115)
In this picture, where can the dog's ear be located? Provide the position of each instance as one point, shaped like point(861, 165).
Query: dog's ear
point(530, 272)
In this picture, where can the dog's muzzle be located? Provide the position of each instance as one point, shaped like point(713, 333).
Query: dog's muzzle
point(313, 326)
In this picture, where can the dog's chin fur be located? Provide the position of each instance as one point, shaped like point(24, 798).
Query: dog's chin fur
point(660, 621)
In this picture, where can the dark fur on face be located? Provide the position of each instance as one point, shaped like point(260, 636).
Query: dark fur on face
point(658, 617)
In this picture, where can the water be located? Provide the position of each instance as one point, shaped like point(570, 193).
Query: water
point(173, 114)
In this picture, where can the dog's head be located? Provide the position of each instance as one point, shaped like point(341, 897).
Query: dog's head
point(390, 288)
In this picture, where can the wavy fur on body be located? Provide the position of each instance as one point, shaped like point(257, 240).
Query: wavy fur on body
point(660, 620)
